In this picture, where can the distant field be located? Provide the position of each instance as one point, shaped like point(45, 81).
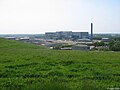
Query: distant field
point(29, 67)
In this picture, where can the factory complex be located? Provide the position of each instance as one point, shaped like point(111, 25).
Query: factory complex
point(69, 35)
point(64, 40)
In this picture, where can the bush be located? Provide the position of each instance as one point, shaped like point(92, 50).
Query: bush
point(115, 45)
point(99, 44)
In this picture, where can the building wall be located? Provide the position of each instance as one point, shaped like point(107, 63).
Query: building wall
point(64, 34)
point(67, 35)
point(84, 35)
point(50, 35)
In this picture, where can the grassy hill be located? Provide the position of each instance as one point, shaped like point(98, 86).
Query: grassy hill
point(28, 67)
point(12, 44)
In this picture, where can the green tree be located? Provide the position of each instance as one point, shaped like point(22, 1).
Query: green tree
point(115, 45)
point(99, 44)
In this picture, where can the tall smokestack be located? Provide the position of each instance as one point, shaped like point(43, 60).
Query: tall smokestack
point(91, 31)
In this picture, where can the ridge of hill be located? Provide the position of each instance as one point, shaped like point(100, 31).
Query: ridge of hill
point(12, 44)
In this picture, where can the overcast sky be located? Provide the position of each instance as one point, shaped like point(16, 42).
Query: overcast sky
point(39, 16)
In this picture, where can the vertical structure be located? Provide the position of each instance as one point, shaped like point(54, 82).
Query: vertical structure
point(91, 31)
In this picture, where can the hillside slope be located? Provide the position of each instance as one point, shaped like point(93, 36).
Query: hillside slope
point(12, 44)
point(26, 67)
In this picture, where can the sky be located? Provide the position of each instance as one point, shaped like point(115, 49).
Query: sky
point(40, 16)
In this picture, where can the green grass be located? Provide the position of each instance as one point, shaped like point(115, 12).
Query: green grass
point(29, 67)
point(12, 44)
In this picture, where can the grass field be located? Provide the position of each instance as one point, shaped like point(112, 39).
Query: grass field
point(29, 67)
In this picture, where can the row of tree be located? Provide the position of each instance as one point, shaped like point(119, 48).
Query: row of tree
point(114, 45)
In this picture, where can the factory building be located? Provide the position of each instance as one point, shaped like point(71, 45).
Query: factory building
point(64, 35)
point(50, 35)
point(84, 35)
point(67, 35)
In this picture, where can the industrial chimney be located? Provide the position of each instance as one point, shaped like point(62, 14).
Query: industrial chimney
point(91, 37)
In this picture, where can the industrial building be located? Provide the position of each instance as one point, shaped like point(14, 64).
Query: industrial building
point(50, 35)
point(66, 35)
point(69, 35)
